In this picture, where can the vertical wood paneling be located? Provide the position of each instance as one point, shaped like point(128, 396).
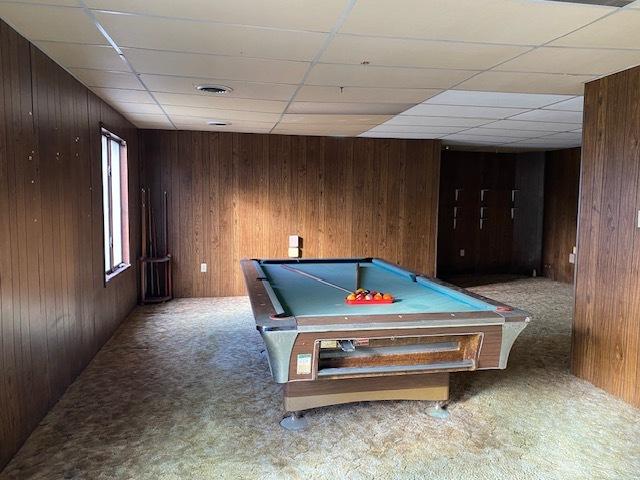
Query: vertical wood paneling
point(242, 195)
point(529, 215)
point(55, 311)
point(503, 244)
point(562, 177)
point(606, 333)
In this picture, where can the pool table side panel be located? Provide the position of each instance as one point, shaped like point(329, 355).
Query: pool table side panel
point(483, 316)
point(302, 261)
point(280, 339)
point(510, 332)
point(515, 315)
point(265, 311)
point(489, 356)
point(306, 395)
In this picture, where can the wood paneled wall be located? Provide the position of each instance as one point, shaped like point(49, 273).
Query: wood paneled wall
point(55, 312)
point(529, 214)
point(487, 249)
point(562, 179)
point(235, 195)
point(503, 244)
point(606, 328)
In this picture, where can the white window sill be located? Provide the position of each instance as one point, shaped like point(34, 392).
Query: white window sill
point(111, 275)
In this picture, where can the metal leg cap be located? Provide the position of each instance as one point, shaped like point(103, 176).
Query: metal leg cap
point(294, 423)
point(439, 412)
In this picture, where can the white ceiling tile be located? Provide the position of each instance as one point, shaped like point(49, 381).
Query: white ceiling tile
point(540, 126)
point(495, 99)
point(241, 89)
point(121, 95)
point(142, 120)
point(429, 110)
point(399, 129)
point(102, 78)
point(620, 30)
point(315, 93)
point(233, 68)
point(550, 116)
point(371, 76)
point(573, 105)
point(517, 82)
point(546, 143)
point(573, 61)
point(635, 4)
point(220, 102)
point(212, 113)
point(565, 136)
point(495, 21)
point(60, 24)
point(359, 108)
point(417, 53)
point(490, 132)
point(227, 128)
point(472, 143)
point(478, 138)
point(71, 55)
point(291, 14)
point(196, 123)
point(334, 120)
point(423, 135)
point(143, 108)
point(323, 130)
point(198, 37)
point(437, 121)
point(152, 126)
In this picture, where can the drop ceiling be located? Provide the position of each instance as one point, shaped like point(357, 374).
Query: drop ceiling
point(506, 74)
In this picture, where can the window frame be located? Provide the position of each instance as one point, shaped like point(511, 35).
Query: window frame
point(115, 270)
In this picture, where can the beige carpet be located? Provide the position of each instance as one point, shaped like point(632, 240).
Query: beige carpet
point(182, 391)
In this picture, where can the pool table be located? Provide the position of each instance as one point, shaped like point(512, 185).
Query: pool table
point(327, 352)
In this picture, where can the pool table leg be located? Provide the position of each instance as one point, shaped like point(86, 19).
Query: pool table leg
point(439, 410)
point(294, 421)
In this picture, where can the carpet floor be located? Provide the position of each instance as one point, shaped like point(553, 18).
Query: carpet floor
point(182, 391)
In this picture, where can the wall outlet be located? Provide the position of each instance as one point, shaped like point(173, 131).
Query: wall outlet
point(462, 252)
point(203, 268)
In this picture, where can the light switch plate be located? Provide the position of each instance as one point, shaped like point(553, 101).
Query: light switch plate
point(203, 268)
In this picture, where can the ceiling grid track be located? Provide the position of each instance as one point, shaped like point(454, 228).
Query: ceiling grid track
point(115, 46)
point(343, 17)
point(432, 70)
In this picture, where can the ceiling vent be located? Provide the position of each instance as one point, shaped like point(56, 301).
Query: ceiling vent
point(218, 123)
point(214, 89)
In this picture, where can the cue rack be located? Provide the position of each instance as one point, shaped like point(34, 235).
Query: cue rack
point(155, 267)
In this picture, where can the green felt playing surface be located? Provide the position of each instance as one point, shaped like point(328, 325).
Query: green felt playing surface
point(303, 296)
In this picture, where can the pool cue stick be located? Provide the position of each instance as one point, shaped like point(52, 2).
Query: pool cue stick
point(313, 277)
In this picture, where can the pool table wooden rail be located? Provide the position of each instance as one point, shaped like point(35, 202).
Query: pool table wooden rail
point(269, 314)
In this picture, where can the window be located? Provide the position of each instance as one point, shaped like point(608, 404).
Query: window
point(115, 204)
